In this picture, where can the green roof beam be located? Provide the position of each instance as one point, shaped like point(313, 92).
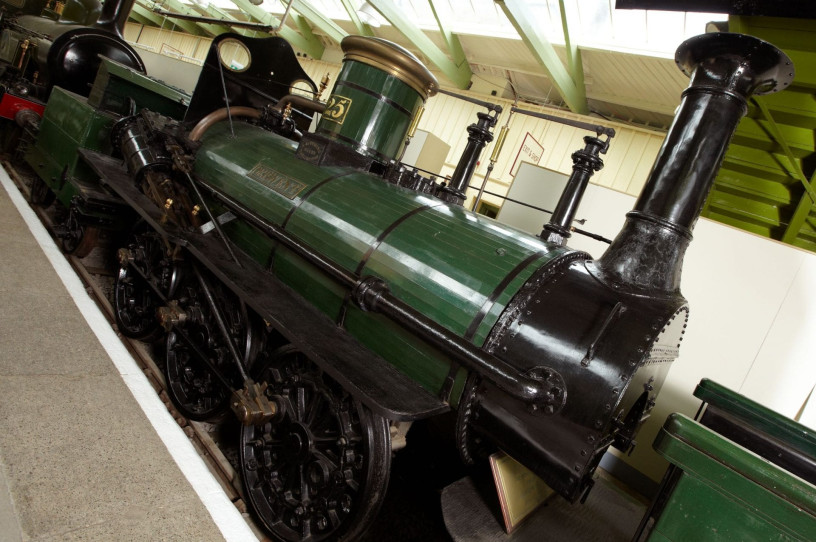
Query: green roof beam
point(569, 12)
point(186, 26)
point(304, 27)
point(569, 85)
point(459, 74)
point(364, 29)
point(451, 40)
point(212, 11)
point(181, 9)
point(139, 19)
point(312, 46)
point(146, 14)
point(326, 25)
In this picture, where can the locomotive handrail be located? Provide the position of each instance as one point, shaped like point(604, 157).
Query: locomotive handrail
point(377, 298)
point(489, 105)
point(597, 128)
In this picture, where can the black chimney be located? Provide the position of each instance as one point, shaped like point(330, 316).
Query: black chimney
point(725, 70)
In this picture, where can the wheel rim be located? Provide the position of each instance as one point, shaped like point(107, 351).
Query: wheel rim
point(322, 470)
point(134, 306)
point(79, 240)
point(134, 301)
point(195, 390)
point(40, 193)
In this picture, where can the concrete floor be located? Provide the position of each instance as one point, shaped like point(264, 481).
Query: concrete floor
point(79, 458)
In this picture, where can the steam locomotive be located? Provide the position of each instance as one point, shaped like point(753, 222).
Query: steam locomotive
point(321, 292)
point(42, 48)
point(47, 45)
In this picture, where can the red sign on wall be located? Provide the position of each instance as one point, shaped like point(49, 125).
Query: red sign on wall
point(530, 151)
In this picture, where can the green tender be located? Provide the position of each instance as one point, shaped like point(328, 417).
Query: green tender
point(443, 261)
point(69, 123)
point(726, 492)
point(757, 416)
point(117, 86)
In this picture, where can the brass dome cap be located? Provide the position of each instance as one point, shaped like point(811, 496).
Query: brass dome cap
point(392, 59)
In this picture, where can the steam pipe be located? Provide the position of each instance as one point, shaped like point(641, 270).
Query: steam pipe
point(597, 128)
point(725, 70)
point(221, 114)
point(301, 102)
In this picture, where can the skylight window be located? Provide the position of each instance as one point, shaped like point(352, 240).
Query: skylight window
point(596, 24)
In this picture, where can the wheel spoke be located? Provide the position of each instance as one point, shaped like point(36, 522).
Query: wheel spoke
point(327, 487)
point(300, 404)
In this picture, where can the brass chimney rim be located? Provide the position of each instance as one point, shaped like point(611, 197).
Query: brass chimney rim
point(392, 59)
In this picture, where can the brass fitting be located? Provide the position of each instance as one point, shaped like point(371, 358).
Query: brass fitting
point(196, 209)
point(252, 406)
point(125, 256)
point(324, 83)
point(172, 315)
point(168, 203)
point(415, 123)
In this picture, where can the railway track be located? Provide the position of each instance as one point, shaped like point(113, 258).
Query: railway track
point(96, 271)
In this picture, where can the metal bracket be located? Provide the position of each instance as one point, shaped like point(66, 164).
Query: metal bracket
point(222, 219)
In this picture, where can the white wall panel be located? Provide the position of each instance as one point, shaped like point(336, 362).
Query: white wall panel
point(627, 162)
point(785, 369)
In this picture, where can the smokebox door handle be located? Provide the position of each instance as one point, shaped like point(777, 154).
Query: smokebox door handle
point(616, 311)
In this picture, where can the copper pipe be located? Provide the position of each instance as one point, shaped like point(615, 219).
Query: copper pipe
point(300, 102)
point(221, 114)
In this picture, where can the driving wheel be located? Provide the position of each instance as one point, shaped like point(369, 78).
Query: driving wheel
point(319, 470)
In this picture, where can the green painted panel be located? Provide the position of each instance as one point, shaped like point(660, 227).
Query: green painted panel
point(759, 189)
point(117, 86)
point(792, 433)
point(413, 357)
point(726, 492)
point(448, 262)
point(330, 219)
point(247, 165)
point(374, 111)
point(68, 124)
point(444, 261)
point(322, 292)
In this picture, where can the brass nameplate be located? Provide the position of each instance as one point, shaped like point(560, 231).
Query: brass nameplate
point(520, 490)
point(275, 180)
point(336, 108)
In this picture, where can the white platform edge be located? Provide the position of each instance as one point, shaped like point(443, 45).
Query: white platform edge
point(228, 519)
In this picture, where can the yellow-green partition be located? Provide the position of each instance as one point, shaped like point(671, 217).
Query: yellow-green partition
point(766, 184)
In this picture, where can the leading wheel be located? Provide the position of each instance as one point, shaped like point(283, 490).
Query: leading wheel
point(320, 471)
point(78, 239)
point(134, 301)
point(40, 194)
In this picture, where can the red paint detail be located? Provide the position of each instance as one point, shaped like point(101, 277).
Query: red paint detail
point(10, 105)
